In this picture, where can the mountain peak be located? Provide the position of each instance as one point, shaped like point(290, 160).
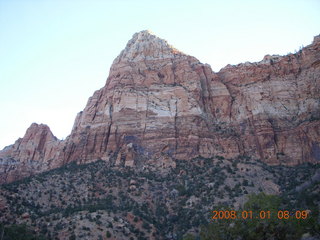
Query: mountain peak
point(145, 45)
point(145, 33)
point(36, 128)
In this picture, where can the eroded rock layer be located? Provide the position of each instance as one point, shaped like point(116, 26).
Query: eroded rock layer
point(160, 104)
point(36, 152)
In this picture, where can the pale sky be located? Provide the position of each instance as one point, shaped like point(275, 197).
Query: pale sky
point(55, 54)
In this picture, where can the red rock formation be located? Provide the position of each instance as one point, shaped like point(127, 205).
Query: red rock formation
point(36, 152)
point(276, 105)
point(154, 99)
point(160, 104)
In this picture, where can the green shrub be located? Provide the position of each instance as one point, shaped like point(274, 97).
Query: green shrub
point(18, 232)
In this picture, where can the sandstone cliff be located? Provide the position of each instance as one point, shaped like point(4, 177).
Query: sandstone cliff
point(35, 152)
point(160, 104)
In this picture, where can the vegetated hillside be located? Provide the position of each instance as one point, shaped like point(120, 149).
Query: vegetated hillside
point(96, 201)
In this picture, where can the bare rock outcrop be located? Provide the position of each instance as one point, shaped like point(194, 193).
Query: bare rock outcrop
point(36, 152)
point(156, 98)
point(276, 105)
point(160, 104)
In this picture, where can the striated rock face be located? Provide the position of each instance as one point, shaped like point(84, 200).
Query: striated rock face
point(154, 100)
point(160, 104)
point(276, 105)
point(35, 152)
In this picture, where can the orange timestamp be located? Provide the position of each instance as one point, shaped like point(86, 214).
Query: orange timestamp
point(281, 214)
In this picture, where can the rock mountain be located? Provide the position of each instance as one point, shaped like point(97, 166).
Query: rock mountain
point(159, 105)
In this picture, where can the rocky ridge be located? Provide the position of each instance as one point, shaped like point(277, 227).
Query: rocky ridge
point(159, 105)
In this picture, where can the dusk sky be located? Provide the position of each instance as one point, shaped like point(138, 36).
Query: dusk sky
point(55, 54)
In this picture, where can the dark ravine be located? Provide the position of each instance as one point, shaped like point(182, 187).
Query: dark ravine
point(160, 105)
